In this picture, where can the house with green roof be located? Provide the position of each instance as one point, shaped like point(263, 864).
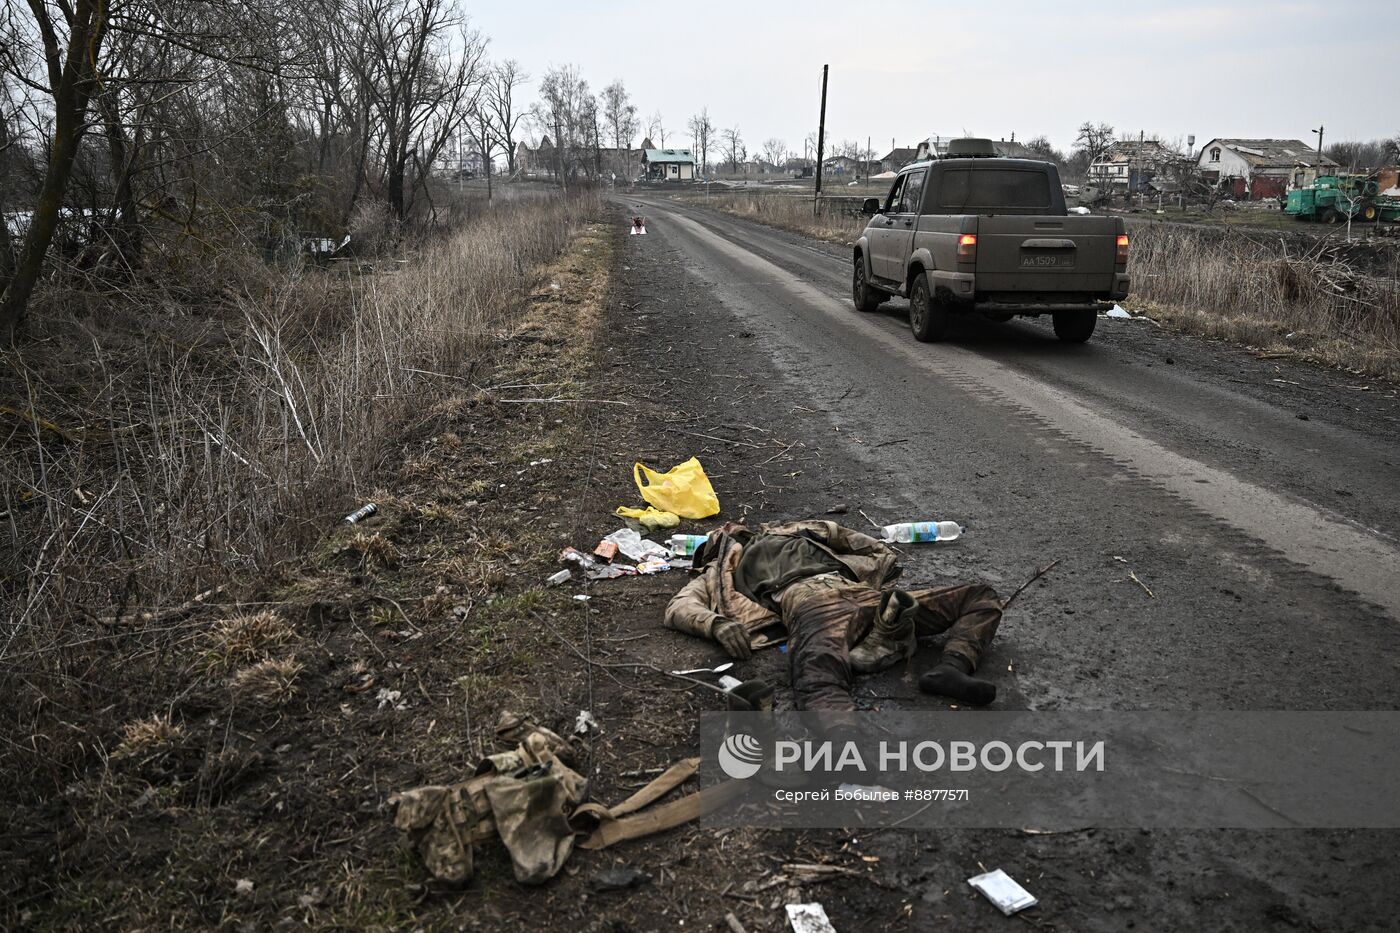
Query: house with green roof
point(668, 164)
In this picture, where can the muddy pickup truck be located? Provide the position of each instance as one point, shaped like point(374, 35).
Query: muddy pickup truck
point(974, 234)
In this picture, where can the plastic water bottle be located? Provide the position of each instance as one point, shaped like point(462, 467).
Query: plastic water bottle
point(917, 532)
point(685, 545)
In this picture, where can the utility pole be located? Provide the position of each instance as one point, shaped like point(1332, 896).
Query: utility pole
point(1318, 131)
point(821, 142)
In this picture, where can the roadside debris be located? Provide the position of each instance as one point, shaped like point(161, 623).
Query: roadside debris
point(360, 514)
point(809, 918)
point(533, 801)
point(555, 579)
point(684, 489)
point(633, 545)
point(685, 545)
point(705, 670)
point(243, 887)
point(650, 518)
point(605, 551)
point(619, 879)
point(1002, 890)
point(584, 723)
point(1117, 311)
point(919, 532)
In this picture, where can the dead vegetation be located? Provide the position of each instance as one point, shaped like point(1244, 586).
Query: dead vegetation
point(160, 450)
point(795, 214)
point(261, 744)
point(1319, 299)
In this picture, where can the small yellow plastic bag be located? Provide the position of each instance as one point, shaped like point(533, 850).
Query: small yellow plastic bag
point(651, 519)
point(684, 489)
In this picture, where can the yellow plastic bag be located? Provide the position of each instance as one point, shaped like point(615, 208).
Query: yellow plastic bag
point(651, 518)
point(684, 489)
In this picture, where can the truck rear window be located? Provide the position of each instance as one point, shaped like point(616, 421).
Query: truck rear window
point(991, 189)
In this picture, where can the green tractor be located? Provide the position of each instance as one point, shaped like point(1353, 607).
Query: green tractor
point(1334, 199)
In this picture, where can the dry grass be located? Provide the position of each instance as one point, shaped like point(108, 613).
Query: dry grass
point(162, 443)
point(1332, 303)
point(141, 736)
point(793, 213)
point(243, 639)
point(271, 682)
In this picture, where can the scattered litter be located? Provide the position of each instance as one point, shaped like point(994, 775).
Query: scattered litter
point(650, 518)
point(611, 572)
point(1117, 311)
point(582, 597)
point(809, 918)
point(619, 879)
point(554, 579)
point(706, 670)
point(533, 802)
point(584, 723)
point(605, 551)
point(391, 699)
point(685, 545)
point(840, 509)
point(684, 489)
point(654, 565)
point(1078, 210)
point(540, 462)
point(243, 887)
point(918, 532)
point(362, 513)
point(999, 888)
point(634, 546)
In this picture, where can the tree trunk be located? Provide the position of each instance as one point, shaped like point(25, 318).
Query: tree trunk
point(71, 93)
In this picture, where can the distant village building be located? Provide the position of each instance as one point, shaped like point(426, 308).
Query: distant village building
point(625, 164)
point(668, 164)
point(897, 158)
point(1261, 168)
point(1131, 165)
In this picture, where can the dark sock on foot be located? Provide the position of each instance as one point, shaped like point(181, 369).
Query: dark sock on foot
point(952, 677)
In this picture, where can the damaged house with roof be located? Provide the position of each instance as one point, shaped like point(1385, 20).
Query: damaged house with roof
point(1131, 165)
point(1261, 168)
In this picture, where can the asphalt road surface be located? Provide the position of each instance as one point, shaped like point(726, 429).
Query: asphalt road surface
point(1227, 526)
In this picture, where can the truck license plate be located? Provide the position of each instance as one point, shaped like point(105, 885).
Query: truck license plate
point(1047, 260)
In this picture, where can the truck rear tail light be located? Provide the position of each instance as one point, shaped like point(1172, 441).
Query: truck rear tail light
point(1122, 259)
point(967, 248)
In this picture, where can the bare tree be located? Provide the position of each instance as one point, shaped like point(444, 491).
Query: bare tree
point(423, 84)
point(1042, 147)
point(702, 131)
point(568, 112)
point(774, 149)
point(1091, 143)
point(656, 130)
point(505, 116)
point(620, 115)
point(733, 144)
point(71, 36)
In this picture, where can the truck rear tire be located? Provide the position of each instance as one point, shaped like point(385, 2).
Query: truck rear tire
point(1330, 217)
point(1075, 326)
point(863, 296)
point(928, 317)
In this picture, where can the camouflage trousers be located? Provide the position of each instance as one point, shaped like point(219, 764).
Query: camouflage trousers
point(827, 615)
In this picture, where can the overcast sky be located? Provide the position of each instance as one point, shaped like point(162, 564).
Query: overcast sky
point(905, 71)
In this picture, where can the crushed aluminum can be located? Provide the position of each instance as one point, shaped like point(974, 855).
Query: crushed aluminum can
point(1002, 890)
point(362, 513)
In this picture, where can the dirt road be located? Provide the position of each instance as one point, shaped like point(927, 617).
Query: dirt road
point(1255, 498)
